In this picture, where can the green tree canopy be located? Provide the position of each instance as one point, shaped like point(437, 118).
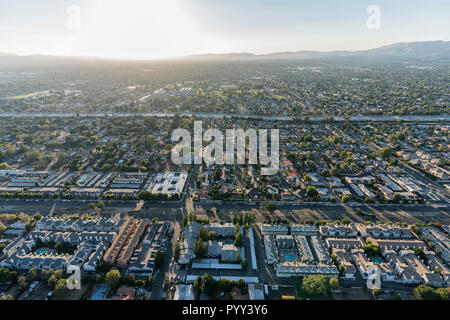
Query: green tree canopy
point(315, 287)
point(200, 249)
point(112, 278)
point(385, 153)
point(334, 283)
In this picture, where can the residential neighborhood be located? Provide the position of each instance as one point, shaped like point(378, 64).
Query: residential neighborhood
point(209, 153)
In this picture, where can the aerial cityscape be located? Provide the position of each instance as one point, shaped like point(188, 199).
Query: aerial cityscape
point(93, 205)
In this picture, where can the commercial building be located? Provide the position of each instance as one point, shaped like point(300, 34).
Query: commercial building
point(169, 183)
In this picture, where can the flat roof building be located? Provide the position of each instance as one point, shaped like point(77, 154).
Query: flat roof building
point(274, 229)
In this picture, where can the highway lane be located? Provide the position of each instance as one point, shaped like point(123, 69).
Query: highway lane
point(289, 211)
point(219, 115)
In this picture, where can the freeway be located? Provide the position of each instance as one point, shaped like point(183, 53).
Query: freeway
point(295, 212)
point(359, 118)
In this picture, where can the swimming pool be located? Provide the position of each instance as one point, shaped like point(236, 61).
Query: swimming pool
point(42, 250)
point(289, 257)
point(377, 260)
point(83, 178)
point(100, 292)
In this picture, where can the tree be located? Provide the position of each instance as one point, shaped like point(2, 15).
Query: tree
point(176, 251)
point(238, 257)
point(376, 292)
point(341, 269)
point(101, 205)
point(212, 235)
point(103, 267)
point(225, 285)
point(271, 207)
point(33, 155)
point(46, 274)
point(150, 282)
point(200, 249)
point(244, 264)
point(185, 220)
point(145, 195)
point(371, 250)
point(428, 293)
point(155, 220)
point(208, 285)
point(4, 166)
point(130, 279)
point(159, 258)
point(385, 153)
point(2, 227)
point(59, 247)
point(238, 241)
point(334, 283)
point(397, 198)
point(241, 284)
point(112, 278)
point(203, 234)
point(22, 282)
point(61, 287)
point(197, 287)
point(166, 284)
point(54, 278)
point(345, 199)
point(333, 172)
point(421, 254)
point(312, 192)
point(140, 283)
point(315, 287)
point(237, 229)
point(31, 275)
point(443, 293)
point(235, 219)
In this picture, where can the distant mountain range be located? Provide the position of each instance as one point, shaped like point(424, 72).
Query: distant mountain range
point(425, 49)
point(5, 54)
point(407, 50)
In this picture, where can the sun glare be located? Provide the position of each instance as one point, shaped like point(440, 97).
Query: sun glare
point(141, 29)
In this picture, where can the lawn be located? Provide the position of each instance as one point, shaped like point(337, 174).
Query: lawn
point(30, 95)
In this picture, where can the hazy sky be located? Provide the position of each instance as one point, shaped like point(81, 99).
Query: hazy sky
point(146, 29)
